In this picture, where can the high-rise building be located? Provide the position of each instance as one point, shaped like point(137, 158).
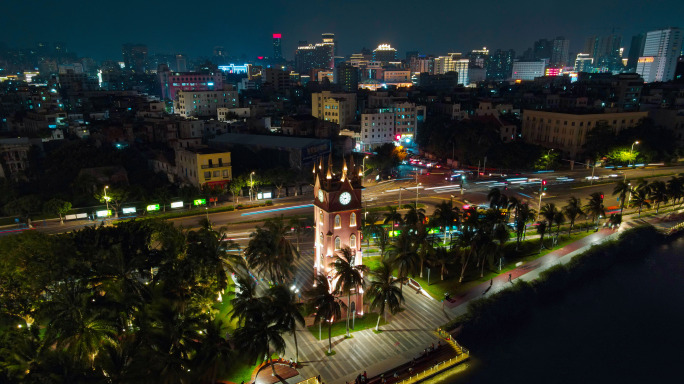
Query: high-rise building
point(500, 65)
point(583, 62)
point(560, 53)
point(277, 49)
point(542, 49)
point(478, 57)
point(135, 57)
point(384, 53)
point(173, 82)
point(605, 50)
point(636, 50)
point(347, 77)
point(661, 50)
point(316, 56)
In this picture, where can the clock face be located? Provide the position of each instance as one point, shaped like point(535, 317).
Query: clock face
point(320, 195)
point(345, 198)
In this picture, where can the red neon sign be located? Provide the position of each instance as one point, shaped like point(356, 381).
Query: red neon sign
point(277, 35)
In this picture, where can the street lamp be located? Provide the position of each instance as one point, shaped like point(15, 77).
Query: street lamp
point(106, 198)
point(251, 186)
point(629, 164)
point(363, 171)
point(540, 197)
point(417, 188)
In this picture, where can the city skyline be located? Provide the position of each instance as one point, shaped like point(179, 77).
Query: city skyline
point(241, 32)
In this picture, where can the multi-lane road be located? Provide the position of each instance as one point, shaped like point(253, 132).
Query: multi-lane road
point(428, 187)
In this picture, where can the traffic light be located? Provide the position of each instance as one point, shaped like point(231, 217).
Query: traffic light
point(543, 185)
point(602, 197)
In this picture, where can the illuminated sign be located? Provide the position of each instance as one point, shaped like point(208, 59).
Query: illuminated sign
point(264, 195)
point(260, 57)
point(232, 68)
point(153, 207)
point(128, 210)
point(199, 202)
point(103, 213)
point(277, 35)
point(177, 204)
point(553, 71)
point(647, 59)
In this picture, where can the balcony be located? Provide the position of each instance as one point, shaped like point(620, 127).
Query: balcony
point(210, 166)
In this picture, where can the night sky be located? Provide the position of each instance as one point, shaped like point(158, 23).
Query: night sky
point(245, 27)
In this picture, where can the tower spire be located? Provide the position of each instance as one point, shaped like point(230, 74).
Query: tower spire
point(344, 169)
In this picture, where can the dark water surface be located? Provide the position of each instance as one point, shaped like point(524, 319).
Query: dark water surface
point(624, 327)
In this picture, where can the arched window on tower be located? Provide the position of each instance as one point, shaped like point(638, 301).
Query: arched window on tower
point(352, 241)
point(338, 221)
point(352, 220)
point(338, 243)
point(320, 216)
point(320, 240)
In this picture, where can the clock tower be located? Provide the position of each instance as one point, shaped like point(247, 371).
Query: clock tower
point(337, 214)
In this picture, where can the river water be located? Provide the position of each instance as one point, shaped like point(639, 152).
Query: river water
point(624, 327)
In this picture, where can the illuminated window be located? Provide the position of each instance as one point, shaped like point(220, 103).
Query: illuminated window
point(338, 221)
point(338, 243)
point(352, 220)
point(320, 239)
point(320, 216)
point(352, 241)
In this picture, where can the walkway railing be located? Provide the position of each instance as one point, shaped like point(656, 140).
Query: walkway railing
point(462, 354)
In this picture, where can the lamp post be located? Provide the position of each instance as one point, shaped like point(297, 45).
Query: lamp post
point(548, 158)
point(363, 171)
point(417, 188)
point(106, 198)
point(251, 186)
point(400, 188)
point(541, 194)
point(629, 164)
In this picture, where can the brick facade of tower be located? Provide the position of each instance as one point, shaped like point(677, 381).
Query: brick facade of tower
point(337, 216)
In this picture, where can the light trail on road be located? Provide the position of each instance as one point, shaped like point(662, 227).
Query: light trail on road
point(277, 209)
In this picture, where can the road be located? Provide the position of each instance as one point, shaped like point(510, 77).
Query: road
point(427, 187)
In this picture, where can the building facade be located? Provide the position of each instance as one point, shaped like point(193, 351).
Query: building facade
point(204, 103)
point(173, 82)
point(528, 70)
point(661, 50)
point(336, 107)
point(203, 167)
point(337, 217)
point(567, 132)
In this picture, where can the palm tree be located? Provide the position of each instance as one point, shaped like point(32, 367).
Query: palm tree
point(260, 338)
point(444, 216)
point(640, 198)
point(286, 311)
point(573, 209)
point(246, 304)
point(414, 217)
point(594, 207)
point(383, 291)
point(622, 189)
point(493, 197)
point(213, 350)
point(501, 235)
point(349, 276)
point(513, 203)
point(404, 256)
point(675, 188)
point(466, 239)
point(558, 219)
point(443, 257)
point(383, 242)
point(658, 193)
point(370, 226)
point(328, 306)
point(548, 212)
point(270, 251)
point(541, 230)
point(392, 216)
point(524, 214)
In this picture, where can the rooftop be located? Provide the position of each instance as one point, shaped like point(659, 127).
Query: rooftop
point(282, 142)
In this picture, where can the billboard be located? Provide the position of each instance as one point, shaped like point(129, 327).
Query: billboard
point(153, 207)
point(177, 204)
